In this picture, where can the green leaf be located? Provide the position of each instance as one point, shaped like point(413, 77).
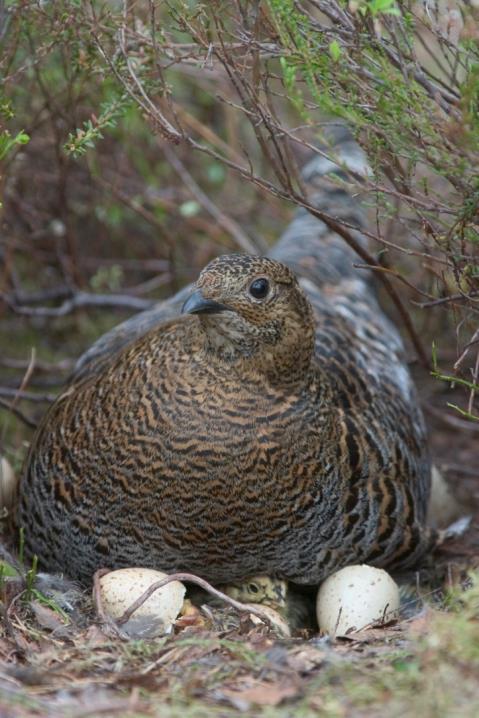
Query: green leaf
point(189, 208)
point(387, 7)
point(7, 142)
point(7, 570)
point(216, 173)
point(335, 50)
point(434, 355)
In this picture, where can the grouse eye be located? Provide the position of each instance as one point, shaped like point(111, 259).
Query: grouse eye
point(259, 288)
point(253, 588)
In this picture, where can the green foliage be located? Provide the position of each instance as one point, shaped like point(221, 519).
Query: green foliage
point(30, 578)
point(107, 278)
point(85, 138)
point(335, 50)
point(37, 595)
point(470, 96)
point(7, 571)
point(21, 545)
point(190, 208)
point(453, 381)
point(6, 110)
point(7, 142)
point(216, 173)
point(378, 7)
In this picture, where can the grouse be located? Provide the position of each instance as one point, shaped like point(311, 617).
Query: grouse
point(263, 422)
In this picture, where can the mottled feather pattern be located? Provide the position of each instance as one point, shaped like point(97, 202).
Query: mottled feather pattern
point(276, 436)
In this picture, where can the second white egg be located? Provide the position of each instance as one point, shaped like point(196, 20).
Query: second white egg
point(355, 597)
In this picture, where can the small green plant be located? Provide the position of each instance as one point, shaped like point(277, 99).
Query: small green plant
point(37, 595)
point(30, 579)
point(21, 544)
point(6, 571)
point(107, 278)
point(377, 7)
point(85, 138)
point(8, 142)
point(452, 381)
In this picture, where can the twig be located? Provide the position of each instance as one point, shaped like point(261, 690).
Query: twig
point(17, 393)
point(104, 617)
point(20, 415)
point(40, 366)
point(474, 339)
point(452, 420)
point(393, 273)
point(445, 300)
point(138, 208)
point(336, 226)
point(228, 224)
point(26, 395)
point(191, 578)
point(81, 300)
point(26, 376)
point(472, 394)
point(162, 124)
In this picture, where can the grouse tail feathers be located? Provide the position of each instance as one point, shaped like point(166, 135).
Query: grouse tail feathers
point(333, 178)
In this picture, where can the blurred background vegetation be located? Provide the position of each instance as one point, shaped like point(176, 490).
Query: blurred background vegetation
point(141, 138)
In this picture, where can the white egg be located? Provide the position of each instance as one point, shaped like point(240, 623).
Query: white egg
point(155, 617)
point(355, 597)
point(8, 485)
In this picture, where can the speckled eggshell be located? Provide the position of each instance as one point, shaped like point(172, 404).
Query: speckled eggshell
point(119, 589)
point(276, 619)
point(8, 484)
point(355, 597)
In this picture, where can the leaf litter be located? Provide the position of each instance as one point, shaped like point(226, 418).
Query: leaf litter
point(221, 662)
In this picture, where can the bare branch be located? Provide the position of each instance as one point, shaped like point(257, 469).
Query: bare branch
point(81, 300)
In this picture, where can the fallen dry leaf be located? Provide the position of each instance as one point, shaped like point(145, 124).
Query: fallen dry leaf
point(421, 624)
point(261, 694)
point(48, 618)
point(305, 659)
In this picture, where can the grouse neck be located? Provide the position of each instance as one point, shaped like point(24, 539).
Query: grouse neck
point(281, 350)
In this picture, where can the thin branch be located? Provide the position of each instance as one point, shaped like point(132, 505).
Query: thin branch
point(80, 300)
point(337, 226)
point(228, 224)
point(392, 273)
point(474, 340)
point(40, 366)
point(447, 300)
point(19, 414)
point(451, 420)
point(26, 395)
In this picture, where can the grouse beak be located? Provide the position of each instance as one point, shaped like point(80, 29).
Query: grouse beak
point(198, 304)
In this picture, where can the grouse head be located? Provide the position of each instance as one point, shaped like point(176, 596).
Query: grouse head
point(259, 589)
point(253, 308)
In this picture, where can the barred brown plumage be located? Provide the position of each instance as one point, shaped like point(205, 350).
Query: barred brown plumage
point(272, 429)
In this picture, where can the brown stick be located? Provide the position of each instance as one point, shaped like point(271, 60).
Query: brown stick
point(16, 412)
point(191, 578)
point(104, 617)
point(81, 300)
point(228, 224)
point(337, 227)
point(26, 395)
